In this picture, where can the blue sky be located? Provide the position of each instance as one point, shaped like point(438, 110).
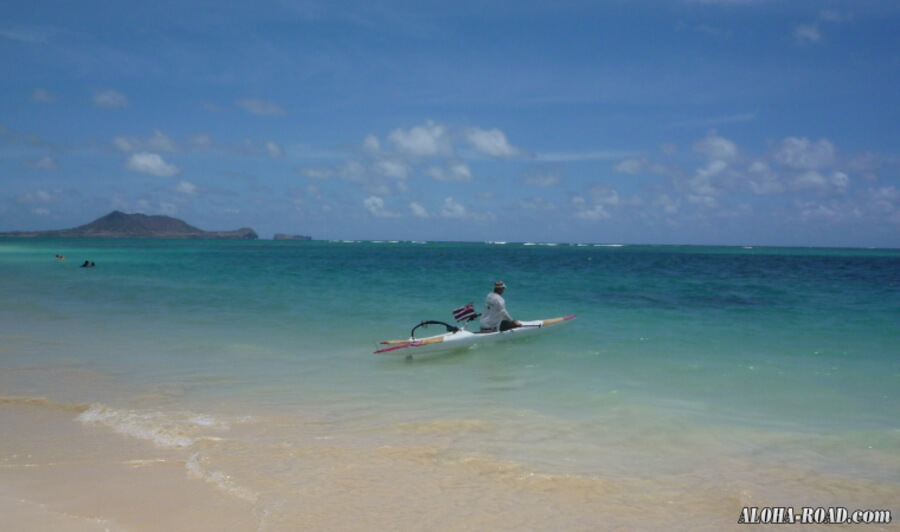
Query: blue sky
point(746, 122)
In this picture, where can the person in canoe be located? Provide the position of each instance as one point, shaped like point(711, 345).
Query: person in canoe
point(495, 315)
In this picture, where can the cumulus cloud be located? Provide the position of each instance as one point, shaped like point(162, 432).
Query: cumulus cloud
point(637, 165)
point(594, 214)
point(811, 33)
point(158, 142)
point(429, 140)
point(317, 173)
point(274, 150)
point(630, 166)
point(453, 171)
point(392, 168)
point(807, 34)
point(260, 107)
point(666, 203)
point(371, 144)
point(817, 181)
point(603, 194)
point(813, 210)
point(40, 196)
point(185, 187)
point(706, 201)
point(110, 99)
point(375, 205)
point(429, 149)
point(586, 211)
point(418, 210)
point(803, 154)
point(717, 148)
point(550, 179)
point(452, 209)
point(45, 163)
point(491, 142)
point(592, 155)
point(152, 164)
point(762, 180)
point(884, 202)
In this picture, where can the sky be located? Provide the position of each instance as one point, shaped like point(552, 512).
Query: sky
point(707, 122)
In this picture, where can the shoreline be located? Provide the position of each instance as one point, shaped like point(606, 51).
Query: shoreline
point(94, 467)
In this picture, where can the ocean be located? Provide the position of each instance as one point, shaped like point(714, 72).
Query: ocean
point(232, 385)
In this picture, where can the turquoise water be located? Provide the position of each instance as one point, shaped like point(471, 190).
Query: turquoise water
point(680, 357)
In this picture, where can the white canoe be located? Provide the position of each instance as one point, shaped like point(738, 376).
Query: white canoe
point(462, 338)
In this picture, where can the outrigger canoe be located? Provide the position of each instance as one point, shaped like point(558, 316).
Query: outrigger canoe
point(459, 338)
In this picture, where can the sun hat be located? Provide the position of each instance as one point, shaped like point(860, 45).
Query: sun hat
point(499, 284)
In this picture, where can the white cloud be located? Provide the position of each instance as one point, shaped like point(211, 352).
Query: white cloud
point(603, 194)
point(152, 164)
point(543, 180)
point(593, 155)
point(762, 180)
point(110, 99)
point(275, 151)
point(185, 187)
point(811, 33)
point(807, 34)
point(318, 173)
point(158, 142)
point(803, 154)
point(454, 171)
point(40, 196)
point(375, 205)
point(352, 171)
point(840, 181)
point(717, 148)
point(430, 140)
point(418, 210)
point(666, 203)
point(630, 166)
point(811, 210)
point(491, 142)
point(536, 204)
point(372, 145)
point(45, 163)
point(260, 107)
point(636, 165)
point(706, 201)
point(392, 169)
point(819, 182)
point(595, 214)
point(202, 141)
point(884, 201)
point(452, 209)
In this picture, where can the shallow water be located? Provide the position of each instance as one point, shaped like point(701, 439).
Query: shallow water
point(695, 381)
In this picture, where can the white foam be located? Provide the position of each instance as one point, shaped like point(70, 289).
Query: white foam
point(167, 430)
point(218, 479)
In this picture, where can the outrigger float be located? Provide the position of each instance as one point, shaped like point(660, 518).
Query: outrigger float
point(457, 337)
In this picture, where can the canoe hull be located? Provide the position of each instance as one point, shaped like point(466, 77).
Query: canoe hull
point(463, 339)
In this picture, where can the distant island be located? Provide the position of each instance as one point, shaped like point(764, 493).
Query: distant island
point(121, 225)
point(281, 236)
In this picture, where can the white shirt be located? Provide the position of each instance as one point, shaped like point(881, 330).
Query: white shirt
point(494, 311)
